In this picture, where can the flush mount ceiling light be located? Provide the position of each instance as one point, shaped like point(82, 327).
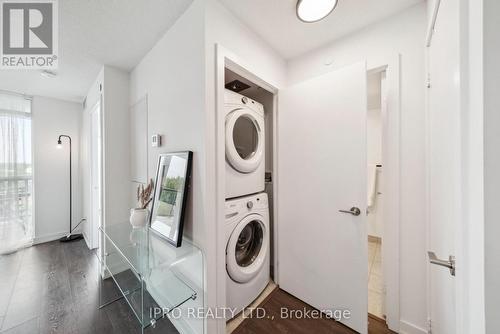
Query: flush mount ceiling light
point(314, 10)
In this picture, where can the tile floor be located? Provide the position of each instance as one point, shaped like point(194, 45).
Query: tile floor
point(375, 280)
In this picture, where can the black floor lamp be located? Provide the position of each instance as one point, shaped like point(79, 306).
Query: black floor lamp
point(70, 236)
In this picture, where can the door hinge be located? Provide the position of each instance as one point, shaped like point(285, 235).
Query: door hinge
point(429, 326)
point(428, 80)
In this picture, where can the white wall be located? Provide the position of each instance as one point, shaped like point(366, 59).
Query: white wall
point(403, 34)
point(116, 146)
point(225, 29)
point(172, 75)
point(93, 96)
point(113, 85)
point(51, 118)
point(374, 136)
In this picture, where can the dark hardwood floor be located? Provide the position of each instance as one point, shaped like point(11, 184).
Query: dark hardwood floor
point(53, 288)
point(274, 323)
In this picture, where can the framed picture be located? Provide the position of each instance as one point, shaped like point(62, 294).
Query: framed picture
point(170, 196)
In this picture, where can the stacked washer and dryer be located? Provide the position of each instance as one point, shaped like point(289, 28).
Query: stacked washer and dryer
point(247, 210)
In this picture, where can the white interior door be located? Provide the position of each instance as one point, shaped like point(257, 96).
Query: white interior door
point(95, 174)
point(322, 169)
point(444, 163)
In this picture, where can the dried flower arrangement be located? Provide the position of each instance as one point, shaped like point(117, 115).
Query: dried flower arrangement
point(144, 194)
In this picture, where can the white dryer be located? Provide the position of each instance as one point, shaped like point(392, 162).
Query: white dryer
point(247, 250)
point(245, 145)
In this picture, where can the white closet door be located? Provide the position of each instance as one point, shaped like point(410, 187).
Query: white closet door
point(322, 169)
point(444, 167)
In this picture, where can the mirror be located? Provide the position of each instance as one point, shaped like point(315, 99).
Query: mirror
point(171, 189)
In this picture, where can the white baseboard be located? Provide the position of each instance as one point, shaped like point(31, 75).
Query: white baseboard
point(48, 237)
point(86, 240)
point(407, 328)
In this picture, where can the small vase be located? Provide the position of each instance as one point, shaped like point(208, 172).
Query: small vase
point(135, 236)
point(138, 217)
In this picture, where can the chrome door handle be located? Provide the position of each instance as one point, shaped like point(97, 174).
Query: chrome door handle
point(353, 211)
point(450, 263)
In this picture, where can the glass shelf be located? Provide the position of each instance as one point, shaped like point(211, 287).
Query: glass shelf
point(149, 273)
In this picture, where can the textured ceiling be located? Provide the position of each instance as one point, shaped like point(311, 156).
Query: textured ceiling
point(96, 32)
point(120, 32)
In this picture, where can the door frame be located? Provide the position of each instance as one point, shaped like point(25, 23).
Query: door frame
point(226, 59)
point(391, 160)
point(476, 51)
point(95, 242)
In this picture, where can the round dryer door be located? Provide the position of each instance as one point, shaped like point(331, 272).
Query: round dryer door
point(247, 248)
point(244, 140)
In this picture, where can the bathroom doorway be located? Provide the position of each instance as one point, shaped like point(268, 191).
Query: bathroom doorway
point(376, 110)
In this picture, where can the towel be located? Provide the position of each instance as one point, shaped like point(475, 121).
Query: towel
point(371, 184)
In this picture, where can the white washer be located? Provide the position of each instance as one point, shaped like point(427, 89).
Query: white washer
point(245, 145)
point(247, 250)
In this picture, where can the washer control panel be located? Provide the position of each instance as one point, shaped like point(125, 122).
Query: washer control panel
point(245, 205)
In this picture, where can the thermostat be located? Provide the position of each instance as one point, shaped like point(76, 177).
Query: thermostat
point(156, 140)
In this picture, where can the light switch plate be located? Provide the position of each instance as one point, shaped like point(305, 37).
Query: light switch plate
point(156, 140)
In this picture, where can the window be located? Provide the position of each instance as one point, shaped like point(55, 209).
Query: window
point(16, 173)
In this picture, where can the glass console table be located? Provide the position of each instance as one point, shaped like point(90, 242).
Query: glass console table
point(154, 277)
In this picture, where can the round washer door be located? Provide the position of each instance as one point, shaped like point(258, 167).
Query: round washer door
point(247, 248)
point(244, 140)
